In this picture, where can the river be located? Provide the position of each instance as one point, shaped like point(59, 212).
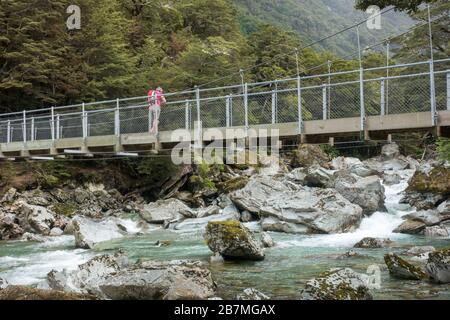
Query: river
point(287, 266)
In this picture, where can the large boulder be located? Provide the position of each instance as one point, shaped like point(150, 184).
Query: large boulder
point(233, 240)
point(88, 232)
point(438, 266)
point(373, 243)
point(253, 196)
point(366, 192)
point(39, 218)
point(402, 269)
point(337, 284)
point(163, 211)
point(411, 227)
point(160, 281)
point(86, 278)
point(312, 210)
point(437, 181)
point(428, 217)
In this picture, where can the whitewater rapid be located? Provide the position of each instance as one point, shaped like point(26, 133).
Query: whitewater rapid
point(378, 225)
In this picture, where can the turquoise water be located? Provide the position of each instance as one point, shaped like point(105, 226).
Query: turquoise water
point(281, 275)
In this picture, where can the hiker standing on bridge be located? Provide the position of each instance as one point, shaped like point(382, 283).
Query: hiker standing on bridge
point(156, 99)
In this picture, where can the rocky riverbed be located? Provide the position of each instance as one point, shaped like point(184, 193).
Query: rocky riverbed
point(373, 229)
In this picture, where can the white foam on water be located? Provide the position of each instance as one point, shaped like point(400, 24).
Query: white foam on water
point(32, 269)
point(378, 225)
point(60, 241)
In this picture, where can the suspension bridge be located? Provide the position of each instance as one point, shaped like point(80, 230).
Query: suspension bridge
point(363, 101)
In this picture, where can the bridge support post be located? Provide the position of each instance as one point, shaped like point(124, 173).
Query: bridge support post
point(274, 108)
point(300, 106)
point(448, 90)
point(8, 132)
point(24, 127)
point(246, 107)
point(58, 133)
point(382, 98)
point(331, 141)
point(117, 119)
point(52, 124)
point(84, 121)
point(433, 95)
point(32, 130)
point(186, 116)
point(363, 125)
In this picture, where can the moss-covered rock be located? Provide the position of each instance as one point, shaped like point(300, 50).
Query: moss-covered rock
point(437, 181)
point(307, 155)
point(337, 284)
point(402, 269)
point(234, 184)
point(233, 241)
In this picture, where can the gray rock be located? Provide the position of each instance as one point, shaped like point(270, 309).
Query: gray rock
point(88, 232)
point(366, 192)
point(32, 237)
point(233, 241)
point(390, 151)
point(252, 294)
point(353, 165)
point(419, 250)
point(317, 176)
point(39, 218)
point(159, 281)
point(436, 232)
point(246, 216)
point(256, 193)
point(438, 266)
point(267, 240)
point(444, 208)
point(372, 243)
point(56, 232)
point(320, 210)
point(391, 179)
point(9, 228)
point(9, 196)
point(200, 223)
point(400, 268)
point(208, 211)
point(428, 217)
point(166, 210)
point(337, 284)
point(277, 225)
point(411, 227)
point(88, 275)
point(3, 283)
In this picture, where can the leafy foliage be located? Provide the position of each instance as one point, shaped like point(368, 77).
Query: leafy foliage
point(443, 148)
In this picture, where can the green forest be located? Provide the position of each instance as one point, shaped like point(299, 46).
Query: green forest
point(126, 47)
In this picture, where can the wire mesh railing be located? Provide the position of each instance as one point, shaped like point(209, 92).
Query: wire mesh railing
point(397, 89)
